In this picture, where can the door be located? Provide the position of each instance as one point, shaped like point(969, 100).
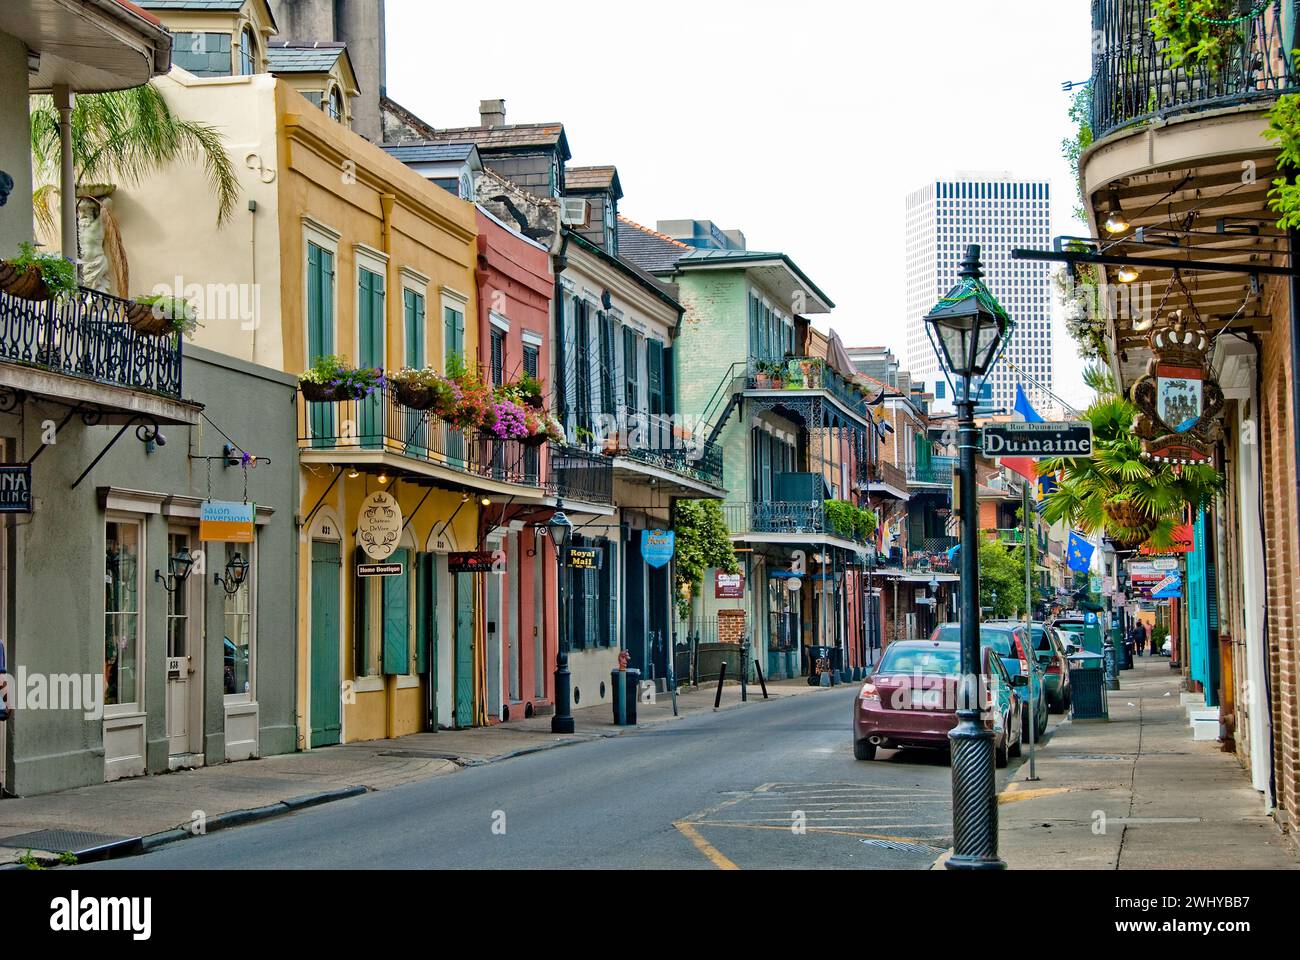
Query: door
point(370, 353)
point(426, 635)
point(496, 631)
point(464, 711)
point(326, 720)
point(514, 666)
point(634, 624)
point(184, 613)
point(658, 640)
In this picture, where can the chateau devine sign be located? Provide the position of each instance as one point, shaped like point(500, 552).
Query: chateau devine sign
point(379, 526)
point(1064, 439)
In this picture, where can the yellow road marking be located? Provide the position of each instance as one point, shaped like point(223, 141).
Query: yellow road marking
point(1014, 796)
point(714, 855)
point(841, 833)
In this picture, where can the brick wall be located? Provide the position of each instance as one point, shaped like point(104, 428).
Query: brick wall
point(731, 626)
point(1280, 512)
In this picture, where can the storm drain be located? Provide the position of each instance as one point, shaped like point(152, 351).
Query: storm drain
point(58, 841)
point(901, 846)
point(420, 755)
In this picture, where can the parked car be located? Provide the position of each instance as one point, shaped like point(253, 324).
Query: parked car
point(910, 700)
point(1052, 654)
point(1007, 638)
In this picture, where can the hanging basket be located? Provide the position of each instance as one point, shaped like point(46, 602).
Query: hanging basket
point(144, 319)
point(414, 396)
point(25, 283)
point(1129, 517)
point(317, 392)
point(535, 440)
point(535, 403)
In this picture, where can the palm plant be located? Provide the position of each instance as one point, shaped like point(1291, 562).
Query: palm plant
point(128, 136)
point(1115, 490)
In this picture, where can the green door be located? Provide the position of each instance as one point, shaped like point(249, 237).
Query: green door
point(326, 724)
point(370, 353)
point(464, 711)
point(426, 633)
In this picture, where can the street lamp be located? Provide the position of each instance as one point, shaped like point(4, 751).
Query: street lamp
point(969, 330)
point(178, 571)
point(560, 530)
point(236, 574)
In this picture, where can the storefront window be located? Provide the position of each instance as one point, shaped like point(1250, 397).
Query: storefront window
point(178, 602)
point(121, 613)
point(237, 645)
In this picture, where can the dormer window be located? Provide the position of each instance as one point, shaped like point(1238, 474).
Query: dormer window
point(335, 108)
point(247, 52)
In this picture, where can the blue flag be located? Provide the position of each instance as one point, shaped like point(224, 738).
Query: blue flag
point(1025, 408)
point(1079, 553)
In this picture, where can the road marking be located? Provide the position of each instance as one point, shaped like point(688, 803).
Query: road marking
point(840, 833)
point(1014, 796)
point(714, 855)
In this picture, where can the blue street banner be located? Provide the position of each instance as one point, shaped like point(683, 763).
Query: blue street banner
point(1080, 553)
point(657, 547)
point(1170, 588)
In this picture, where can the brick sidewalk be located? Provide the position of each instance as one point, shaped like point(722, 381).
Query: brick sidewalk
point(1138, 793)
point(127, 812)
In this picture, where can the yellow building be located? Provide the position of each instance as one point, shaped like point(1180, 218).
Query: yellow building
point(336, 248)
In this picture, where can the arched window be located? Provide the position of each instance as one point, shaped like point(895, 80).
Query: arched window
point(336, 104)
point(247, 52)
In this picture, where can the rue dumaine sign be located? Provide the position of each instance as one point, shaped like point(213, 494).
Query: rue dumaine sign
point(1064, 439)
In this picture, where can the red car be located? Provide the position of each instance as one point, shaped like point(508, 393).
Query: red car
point(910, 700)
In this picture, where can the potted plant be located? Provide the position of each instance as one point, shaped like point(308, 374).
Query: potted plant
point(812, 373)
point(793, 375)
point(542, 428)
point(529, 390)
point(505, 420)
point(332, 378)
point(414, 389)
point(763, 375)
point(161, 316)
point(474, 401)
point(33, 275)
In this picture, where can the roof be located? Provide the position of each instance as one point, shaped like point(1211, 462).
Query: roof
point(656, 286)
point(584, 179)
point(701, 257)
point(508, 138)
point(430, 152)
point(283, 56)
point(217, 5)
point(649, 249)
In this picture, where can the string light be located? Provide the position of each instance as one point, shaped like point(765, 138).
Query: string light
point(1232, 22)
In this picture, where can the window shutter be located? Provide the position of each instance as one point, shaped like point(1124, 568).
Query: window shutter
point(396, 616)
point(560, 354)
point(498, 358)
point(360, 621)
point(669, 387)
point(425, 609)
point(655, 375)
point(414, 329)
point(606, 328)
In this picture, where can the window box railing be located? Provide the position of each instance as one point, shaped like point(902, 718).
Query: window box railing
point(1132, 83)
point(884, 473)
point(938, 472)
point(88, 337)
point(579, 475)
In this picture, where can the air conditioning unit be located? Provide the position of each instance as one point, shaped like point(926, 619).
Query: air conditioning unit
point(575, 212)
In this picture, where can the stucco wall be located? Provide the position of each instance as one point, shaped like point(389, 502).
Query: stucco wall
point(15, 145)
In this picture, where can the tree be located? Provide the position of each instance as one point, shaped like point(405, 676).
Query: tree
point(123, 137)
point(1003, 570)
point(702, 542)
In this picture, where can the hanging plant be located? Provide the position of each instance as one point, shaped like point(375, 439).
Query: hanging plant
point(162, 316)
point(33, 275)
point(1200, 33)
point(1284, 130)
point(331, 378)
point(702, 542)
point(1115, 490)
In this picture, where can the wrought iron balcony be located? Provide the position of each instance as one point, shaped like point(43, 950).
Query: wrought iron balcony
point(704, 466)
point(1132, 83)
point(937, 473)
point(804, 373)
point(380, 423)
point(88, 337)
point(883, 473)
point(782, 517)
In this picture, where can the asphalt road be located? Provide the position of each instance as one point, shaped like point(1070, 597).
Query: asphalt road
point(769, 785)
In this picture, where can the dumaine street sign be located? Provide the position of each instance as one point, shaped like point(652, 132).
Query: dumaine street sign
point(1064, 439)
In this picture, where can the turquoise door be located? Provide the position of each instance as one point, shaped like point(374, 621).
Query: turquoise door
point(397, 617)
point(464, 711)
point(370, 353)
point(326, 725)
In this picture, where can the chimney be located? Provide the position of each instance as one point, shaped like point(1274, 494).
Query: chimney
point(492, 113)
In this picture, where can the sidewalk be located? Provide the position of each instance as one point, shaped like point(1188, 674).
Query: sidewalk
point(1137, 793)
point(142, 812)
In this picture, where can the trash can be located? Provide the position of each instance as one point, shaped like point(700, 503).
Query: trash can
point(633, 694)
point(1088, 687)
point(817, 653)
point(619, 693)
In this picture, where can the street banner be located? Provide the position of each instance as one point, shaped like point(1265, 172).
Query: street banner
point(226, 522)
point(657, 547)
point(1170, 588)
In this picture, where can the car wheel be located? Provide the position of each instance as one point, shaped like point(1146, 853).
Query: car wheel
point(1042, 722)
point(1017, 749)
point(864, 750)
point(1001, 753)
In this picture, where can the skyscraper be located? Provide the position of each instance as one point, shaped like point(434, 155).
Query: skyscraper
point(999, 212)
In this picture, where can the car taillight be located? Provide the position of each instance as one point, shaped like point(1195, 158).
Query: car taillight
point(1024, 667)
point(869, 692)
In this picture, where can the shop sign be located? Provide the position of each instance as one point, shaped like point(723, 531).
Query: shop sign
point(1170, 588)
point(657, 547)
point(380, 569)
point(226, 522)
point(16, 488)
point(728, 586)
point(585, 558)
point(379, 525)
point(471, 562)
point(1178, 400)
point(1184, 541)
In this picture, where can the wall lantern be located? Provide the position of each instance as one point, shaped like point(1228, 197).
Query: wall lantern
point(178, 571)
point(236, 574)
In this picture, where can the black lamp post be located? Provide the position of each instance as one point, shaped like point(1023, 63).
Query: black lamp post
point(969, 329)
point(561, 532)
point(178, 571)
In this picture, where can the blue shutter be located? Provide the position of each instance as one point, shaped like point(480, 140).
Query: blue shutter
point(397, 617)
point(360, 620)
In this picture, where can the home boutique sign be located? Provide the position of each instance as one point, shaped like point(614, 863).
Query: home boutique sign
point(1064, 439)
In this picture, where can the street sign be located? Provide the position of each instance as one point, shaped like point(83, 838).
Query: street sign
point(379, 569)
point(586, 558)
point(470, 562)
point(16, 488)
point(1063, 439)
point(223, 522)
point(657, 547)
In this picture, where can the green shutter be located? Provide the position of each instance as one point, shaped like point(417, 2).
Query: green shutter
point(655, 375)
point(413, 311)
point(397, 617)
point(426, 606)
point(360, 620)
point(320, 302)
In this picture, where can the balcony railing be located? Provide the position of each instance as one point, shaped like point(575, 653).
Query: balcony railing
point(381, 423)
point(885, 473)
point(938, 472)
point(88, 337)
point(804, 373)
point(702, 465)
point(782, 517)
point(1132, 83)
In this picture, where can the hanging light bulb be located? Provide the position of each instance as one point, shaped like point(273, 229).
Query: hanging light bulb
point(383, 477)
point(486, 501)
point(1127, 273)
point(1115, 221)
point(353, 473)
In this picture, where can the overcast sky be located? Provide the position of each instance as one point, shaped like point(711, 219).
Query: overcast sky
point(802, 124)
